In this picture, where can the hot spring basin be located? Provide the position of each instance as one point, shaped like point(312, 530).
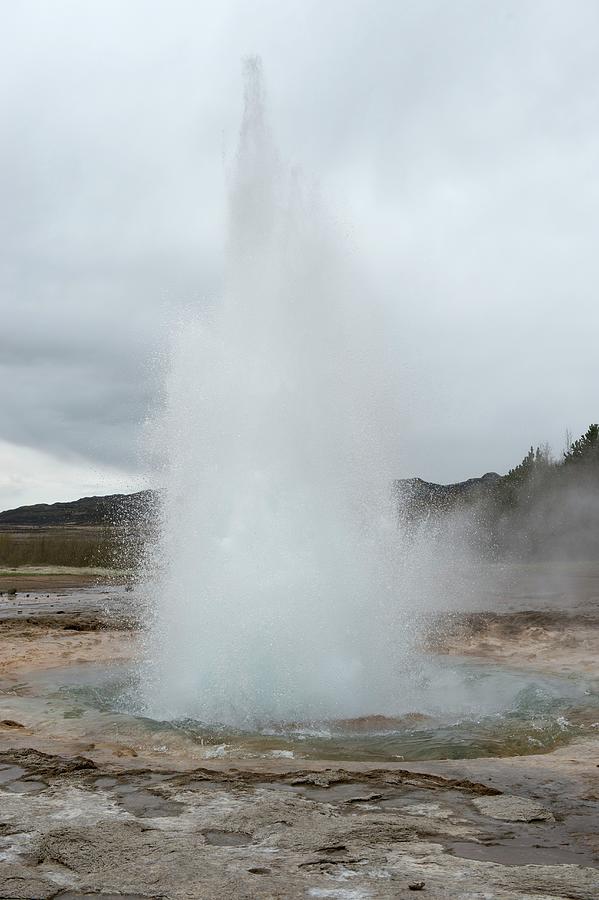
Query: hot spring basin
point(451, 709)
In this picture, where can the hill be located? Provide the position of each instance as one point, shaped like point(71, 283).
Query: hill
point(97, 511)
point(417, 498)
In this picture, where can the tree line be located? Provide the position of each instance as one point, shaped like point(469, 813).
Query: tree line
point(544, 507)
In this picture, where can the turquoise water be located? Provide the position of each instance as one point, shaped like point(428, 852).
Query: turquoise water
point(446, 709)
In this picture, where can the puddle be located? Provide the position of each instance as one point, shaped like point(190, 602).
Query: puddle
point(515, 853)
point(70, 895)
point(26, 787)
point(227, 838)
point(10, 773)
point(146, 805)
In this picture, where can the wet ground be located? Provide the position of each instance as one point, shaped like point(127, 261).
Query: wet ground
point(93, 603)
point(87, 811)
point(53, 579)
point(72, 828)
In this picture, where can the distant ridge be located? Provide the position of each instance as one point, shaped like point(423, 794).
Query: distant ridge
point(414, 495)
point(107, 510)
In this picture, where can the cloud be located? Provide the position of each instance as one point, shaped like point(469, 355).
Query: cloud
point(457, 144)
point(32, 476)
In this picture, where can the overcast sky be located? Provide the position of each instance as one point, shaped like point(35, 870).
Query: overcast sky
point(458, 142)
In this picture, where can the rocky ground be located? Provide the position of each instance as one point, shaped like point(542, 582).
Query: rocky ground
point(546, 641)
point(84, 819)
point(71, 828)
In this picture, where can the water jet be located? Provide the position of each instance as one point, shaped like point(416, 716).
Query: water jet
point(274, 582)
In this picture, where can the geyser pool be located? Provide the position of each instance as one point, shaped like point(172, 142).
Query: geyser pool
point(455, 709)
point(274, 588)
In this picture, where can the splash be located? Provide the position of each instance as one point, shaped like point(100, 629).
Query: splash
point(275, 584)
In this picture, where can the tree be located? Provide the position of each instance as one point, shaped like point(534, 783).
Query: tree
point(585, 450)
point(525, 469)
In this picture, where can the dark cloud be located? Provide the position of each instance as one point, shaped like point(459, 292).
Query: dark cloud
point(457, 142)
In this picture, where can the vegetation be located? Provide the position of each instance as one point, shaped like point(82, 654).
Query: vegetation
point(543, 507)
point(585, 451)
point(87, 547)
point(539, 473)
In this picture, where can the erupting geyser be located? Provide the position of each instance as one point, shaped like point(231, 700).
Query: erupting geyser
point(275, 594)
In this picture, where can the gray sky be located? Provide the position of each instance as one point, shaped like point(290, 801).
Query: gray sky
point(458, 142)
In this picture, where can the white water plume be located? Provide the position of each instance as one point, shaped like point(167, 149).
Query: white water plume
point(276, 590)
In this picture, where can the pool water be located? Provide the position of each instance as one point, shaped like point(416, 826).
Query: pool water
point(450, 709)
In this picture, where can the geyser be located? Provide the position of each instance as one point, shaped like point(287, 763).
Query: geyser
point(274, 581)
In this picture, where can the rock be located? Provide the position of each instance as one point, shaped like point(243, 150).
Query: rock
point(46, 764)
point(19, 882)
point(513, 809)
point(416, 886)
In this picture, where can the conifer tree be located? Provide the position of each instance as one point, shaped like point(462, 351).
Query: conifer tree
point(585, 449)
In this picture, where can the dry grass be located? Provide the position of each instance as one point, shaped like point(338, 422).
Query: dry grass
point(74, 547)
